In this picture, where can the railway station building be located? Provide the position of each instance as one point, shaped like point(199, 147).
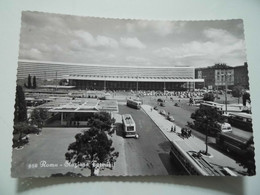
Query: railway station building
point(113, 77)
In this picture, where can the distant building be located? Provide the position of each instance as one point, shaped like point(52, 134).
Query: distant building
point(241, 76)
point(217, 76)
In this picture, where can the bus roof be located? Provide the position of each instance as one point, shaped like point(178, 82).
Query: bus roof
point(209, 103)
point(242, 114)
point(134, 100)
point(128, 120)
point(235, 137)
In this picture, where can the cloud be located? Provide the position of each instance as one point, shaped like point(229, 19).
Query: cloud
point(219, 35)
point(90, 41)
point(54, 37)
point(218, 46)
point(31, 54)
point(161, 28)
point(106, 42)
point(131, 42)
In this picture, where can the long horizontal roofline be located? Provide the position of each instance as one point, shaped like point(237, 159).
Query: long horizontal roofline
point(100, 65)
point(133, 79)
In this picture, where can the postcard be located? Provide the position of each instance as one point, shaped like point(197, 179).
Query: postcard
point(122, 97)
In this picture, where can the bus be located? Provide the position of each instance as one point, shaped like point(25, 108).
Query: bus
point(192, 161)
point(236, 145)
point(241, 120)
point(219, 107)
point(134, 103)
point(129, 127)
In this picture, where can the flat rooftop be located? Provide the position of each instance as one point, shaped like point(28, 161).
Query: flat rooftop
point(81, 105)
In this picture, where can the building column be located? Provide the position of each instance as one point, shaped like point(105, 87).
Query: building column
point(61, 118)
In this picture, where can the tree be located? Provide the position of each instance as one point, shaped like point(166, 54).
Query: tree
point(63, 82)
point(212, 115)
point(29, 85)
point(38, 116)
point(246, 97)
point(20, 112)
point(248, 160)
point(34, 82)
point(237, 91)
point(101, 120)
point(209, 97)
point(91, 147)
point(205, 118)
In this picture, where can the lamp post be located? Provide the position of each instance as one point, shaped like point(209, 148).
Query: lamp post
point(137, 84)
point(105, 84)
point(226, 91)
point(206, 140)
point(164, 86)
point(226, 88)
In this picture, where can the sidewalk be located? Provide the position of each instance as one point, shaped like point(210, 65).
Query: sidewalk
point(218, 159)
point(120, 166)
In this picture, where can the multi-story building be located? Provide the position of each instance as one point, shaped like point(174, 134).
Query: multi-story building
point(241, 76)
point(220, 75)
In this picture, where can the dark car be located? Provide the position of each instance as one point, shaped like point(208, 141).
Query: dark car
point(162, 104)
point(159, 100)
point(155, 108)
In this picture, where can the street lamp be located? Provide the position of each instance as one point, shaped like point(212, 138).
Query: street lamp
point(226, 88)
point(105, 84)
point(164, 86)
point(137, 85)
point(206, 140)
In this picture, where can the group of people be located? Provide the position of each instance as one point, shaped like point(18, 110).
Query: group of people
point(186, 133)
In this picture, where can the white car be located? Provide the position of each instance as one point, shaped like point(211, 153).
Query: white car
point(170, 118)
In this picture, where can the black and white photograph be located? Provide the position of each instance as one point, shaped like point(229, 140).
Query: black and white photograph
point(127, 97)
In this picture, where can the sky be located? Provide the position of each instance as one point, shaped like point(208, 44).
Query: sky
point(90, 40)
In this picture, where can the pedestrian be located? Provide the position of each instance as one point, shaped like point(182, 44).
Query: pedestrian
point(189, 132)
point(172, 129)
point(112, 163)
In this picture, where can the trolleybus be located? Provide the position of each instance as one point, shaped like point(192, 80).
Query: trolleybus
point(236, 145)
point(241, 121)
point(129, 127)
point(134, 103)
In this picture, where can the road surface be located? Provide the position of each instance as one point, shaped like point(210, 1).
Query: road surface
point(149, 154)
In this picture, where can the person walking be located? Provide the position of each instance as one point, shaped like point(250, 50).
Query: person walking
point(112, 162)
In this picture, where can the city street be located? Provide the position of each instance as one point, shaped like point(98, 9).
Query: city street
point(182, 114)
point(149, 154)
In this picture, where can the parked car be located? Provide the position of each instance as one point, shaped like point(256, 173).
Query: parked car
point(155, 108)
point(170, 118)
point(159, 100)
point(162, 112)
point(162, 104)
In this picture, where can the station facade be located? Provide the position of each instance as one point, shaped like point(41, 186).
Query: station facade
point(135, 78)
point(111, 77)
